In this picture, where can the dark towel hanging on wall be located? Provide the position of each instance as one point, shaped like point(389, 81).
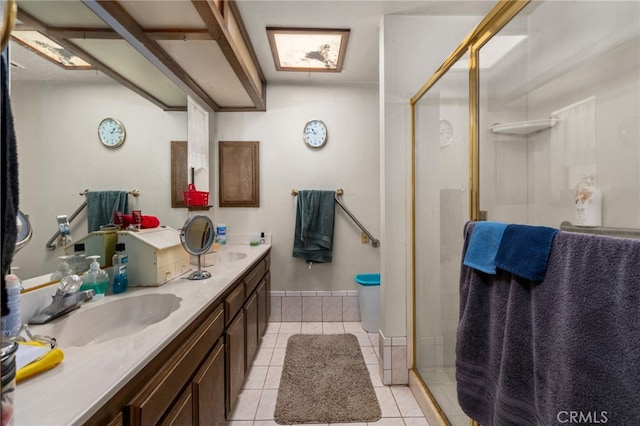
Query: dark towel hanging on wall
point(102, 204)
point(313, 236)
point(9, 180)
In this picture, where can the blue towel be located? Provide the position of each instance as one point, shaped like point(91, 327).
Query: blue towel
point(529, 353)
point(102, 204)
point(524, 250)
point(313, 235)
point(483, 247)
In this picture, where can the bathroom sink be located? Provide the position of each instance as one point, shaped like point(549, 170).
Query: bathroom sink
point(117, 318)
point(229, 256)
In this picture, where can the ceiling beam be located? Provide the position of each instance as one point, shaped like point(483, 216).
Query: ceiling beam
point(36, 25)
point(117, 18)
point(153, 34)
point(214, 21)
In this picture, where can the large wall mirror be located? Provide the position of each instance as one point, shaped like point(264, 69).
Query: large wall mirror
point(56, 116)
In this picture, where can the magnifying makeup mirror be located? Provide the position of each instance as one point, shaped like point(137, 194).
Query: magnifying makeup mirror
point(197, 237)
point(24, 230)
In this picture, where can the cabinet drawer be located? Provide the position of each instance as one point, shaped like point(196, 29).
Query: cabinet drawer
point(233, 303)
point(150, 404)
point(253, 278)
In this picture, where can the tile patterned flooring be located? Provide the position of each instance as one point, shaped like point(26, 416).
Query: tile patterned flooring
point(257, 400)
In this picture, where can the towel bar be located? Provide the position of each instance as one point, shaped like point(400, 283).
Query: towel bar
point(339, 191)
point(51, 245)
point(601, 230)
point(134, 192)
point(374, 241)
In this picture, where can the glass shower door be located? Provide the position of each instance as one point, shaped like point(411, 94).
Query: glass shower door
point(441, 191)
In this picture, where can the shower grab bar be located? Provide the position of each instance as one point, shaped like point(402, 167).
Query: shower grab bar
point(374, 241)
point(601, 230)
point(50, 245)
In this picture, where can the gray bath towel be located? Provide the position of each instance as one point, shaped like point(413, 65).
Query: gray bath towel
point(102, 204)
point(537, 353)
point(313, 237)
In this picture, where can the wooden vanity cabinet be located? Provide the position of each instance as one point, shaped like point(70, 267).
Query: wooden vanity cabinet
point(209, 391)
point(234, 360)
point(251, 313)
point(196, 378)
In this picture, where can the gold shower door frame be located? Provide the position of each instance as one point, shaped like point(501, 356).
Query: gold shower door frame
point(491, 24)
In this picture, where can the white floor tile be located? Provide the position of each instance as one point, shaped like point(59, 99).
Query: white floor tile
point(290, 327)
point(269, 340)
point(246, 405)
point(267, 404)
point(311, 328)
point(263, 356)
point(332, 328)
point(281, 341)
point(416, 421)
point(363, 339)
point(387, 402)
point(388, 421)
point(369, 355)
point(406, 401)
point(353, 327)
point(273, 377)
point(273, 327)
point(255, 377)
point(278, 356)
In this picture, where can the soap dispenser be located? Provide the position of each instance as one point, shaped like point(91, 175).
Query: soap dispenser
point(119, 261)
point(95, 278)
point(63, 269)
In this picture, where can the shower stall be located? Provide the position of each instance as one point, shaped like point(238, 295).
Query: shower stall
point(538, 96)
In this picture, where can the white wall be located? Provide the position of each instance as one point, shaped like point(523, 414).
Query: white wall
point(349, 160)
point(412, 48)
point(59, 156)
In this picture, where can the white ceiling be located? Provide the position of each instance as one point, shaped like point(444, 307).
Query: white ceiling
point(362, 17)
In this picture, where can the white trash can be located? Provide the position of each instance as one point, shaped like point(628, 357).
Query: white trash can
point(369, 299)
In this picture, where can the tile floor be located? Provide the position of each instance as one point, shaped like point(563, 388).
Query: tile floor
point(257, 400)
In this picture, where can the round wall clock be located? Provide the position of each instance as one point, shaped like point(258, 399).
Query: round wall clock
point(315, 133)
point(446, 132)
point(111, 132)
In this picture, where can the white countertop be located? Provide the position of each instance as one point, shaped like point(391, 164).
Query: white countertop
point(90, 375)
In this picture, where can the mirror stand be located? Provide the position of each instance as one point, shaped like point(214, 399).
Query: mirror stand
point(199, 274)
point(197, 238)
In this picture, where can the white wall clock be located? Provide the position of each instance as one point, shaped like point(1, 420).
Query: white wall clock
point(111, 132)
point(446, 132)
point(315, 133)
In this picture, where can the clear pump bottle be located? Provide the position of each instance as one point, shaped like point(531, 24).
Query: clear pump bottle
point(119, 261)
point(95, 278)
point(63, 269)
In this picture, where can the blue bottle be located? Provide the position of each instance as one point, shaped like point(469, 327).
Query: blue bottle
point(119, 261)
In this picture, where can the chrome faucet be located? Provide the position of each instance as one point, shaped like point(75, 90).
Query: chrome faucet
point(66, 299)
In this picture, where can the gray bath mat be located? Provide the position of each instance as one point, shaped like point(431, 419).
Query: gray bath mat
point(325, 380)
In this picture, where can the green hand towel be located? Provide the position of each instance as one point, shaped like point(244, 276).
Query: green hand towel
point(313, 237)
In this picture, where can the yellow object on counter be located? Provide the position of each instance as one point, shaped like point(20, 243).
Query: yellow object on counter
point(46, 362)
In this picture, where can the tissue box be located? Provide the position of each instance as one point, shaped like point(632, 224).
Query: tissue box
point(155, 256)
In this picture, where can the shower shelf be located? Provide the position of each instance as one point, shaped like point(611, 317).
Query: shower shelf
point(523, 128)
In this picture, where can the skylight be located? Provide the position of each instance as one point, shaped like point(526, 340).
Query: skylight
point(310, 50)
point(49, 49)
